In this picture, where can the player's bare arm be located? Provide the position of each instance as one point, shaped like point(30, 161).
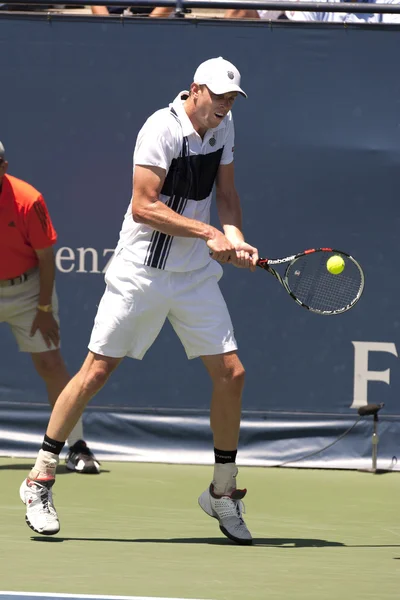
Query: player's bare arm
point(44, 320)
point(230, 215)
point(149, 210)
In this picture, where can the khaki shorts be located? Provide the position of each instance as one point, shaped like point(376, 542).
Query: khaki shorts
point(18, 307)
point(138, 300)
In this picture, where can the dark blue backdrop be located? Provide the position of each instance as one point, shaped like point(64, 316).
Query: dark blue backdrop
point(317, 162)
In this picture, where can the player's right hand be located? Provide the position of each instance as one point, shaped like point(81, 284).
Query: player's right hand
point(221, 249)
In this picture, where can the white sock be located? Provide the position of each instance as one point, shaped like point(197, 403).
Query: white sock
point(45, 465)
point(76, 434)
point(224, 481)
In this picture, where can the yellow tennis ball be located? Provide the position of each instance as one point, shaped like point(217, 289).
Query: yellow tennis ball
point(335, 264)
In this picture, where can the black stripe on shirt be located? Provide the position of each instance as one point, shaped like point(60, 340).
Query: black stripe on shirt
point(170, 238)
point(41, 215)
point(200, 169)
point(160, 244)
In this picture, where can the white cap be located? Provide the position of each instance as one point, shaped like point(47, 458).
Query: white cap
point(2, 152)
point(219, 75)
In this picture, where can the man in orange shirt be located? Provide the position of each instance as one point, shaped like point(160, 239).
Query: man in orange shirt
point(28, 300)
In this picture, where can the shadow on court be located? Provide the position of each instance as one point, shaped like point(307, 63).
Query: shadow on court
point(61, 469)
point(284, 543)
point(270, 542)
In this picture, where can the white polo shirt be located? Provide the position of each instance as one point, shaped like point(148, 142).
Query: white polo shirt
point(168, 140)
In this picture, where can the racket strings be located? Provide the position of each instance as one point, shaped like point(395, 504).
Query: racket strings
point(311, 282)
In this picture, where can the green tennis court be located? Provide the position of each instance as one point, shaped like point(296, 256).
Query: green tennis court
point(136, 530)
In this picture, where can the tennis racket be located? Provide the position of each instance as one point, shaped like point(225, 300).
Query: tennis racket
point(310, 284)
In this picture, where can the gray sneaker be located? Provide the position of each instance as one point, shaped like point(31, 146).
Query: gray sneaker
point(41, 514)
point(228, 510)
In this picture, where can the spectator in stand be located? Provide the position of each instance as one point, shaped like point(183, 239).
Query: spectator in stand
point(336, 17)
point(270, 15)
point(132, 11)
point(339, 17)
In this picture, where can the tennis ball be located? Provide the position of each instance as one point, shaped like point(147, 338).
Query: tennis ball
point(335, 264)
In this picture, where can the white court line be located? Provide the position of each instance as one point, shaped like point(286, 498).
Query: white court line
point(84, 596)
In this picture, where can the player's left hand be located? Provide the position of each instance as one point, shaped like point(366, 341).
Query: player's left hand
point(48, 327)
point(246, 256)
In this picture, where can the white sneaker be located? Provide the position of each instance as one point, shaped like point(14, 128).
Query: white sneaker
point(228, 510)
point(41, 514)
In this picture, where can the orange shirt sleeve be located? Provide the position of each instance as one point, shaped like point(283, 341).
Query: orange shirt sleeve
point(41, 233)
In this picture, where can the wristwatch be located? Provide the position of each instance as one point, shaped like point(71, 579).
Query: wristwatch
point(45, 307)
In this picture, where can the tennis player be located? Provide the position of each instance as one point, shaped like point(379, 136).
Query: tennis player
point(162, 269)
point(28, 300)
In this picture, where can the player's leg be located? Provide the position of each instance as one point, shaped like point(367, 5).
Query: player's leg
point(227, 375)
point(51, 367)
point(222, 500)
point(72, 401)
point(49, 364)
point(36, 490)
point(201, 319)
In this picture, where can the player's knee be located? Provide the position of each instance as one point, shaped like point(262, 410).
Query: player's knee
point(234, 376)
point(239, 375)
point(96, 377)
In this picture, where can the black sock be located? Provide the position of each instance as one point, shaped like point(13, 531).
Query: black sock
point(53, 446)
point(225, 456)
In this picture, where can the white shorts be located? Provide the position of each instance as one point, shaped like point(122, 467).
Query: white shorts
point(138, 299)
point(18, 307)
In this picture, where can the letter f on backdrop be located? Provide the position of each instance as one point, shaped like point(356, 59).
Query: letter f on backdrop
point(361, 373)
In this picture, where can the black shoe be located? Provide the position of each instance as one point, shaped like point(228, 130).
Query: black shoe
point(81, 459)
